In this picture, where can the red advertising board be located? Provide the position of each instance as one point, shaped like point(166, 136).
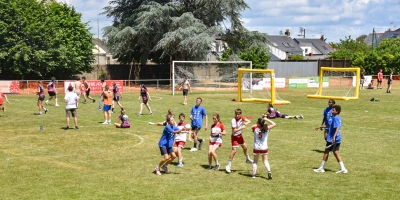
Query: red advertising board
point(95, 85)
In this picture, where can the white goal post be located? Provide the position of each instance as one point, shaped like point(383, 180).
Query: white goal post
point(193, 70)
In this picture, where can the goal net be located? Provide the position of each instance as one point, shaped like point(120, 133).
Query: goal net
point(207, 75)
point(338, 84)
point(256, 85)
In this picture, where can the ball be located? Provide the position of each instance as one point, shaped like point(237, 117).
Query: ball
point(187, 126)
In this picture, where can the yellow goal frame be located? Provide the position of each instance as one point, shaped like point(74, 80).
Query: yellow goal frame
point(321, 76)
point(273, 93)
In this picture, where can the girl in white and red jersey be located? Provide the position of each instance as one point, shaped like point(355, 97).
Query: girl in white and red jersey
point(180, 138)
point(261, 131)
point(217, 131)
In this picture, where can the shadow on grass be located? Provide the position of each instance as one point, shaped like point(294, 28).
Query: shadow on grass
point(318, 151)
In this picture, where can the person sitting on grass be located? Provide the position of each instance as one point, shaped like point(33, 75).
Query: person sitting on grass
point(272, 113)
point(124, 121)
point(371, 85)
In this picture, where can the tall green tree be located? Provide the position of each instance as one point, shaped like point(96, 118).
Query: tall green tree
point(38, 41)
point(161, 31)
point(346, 48)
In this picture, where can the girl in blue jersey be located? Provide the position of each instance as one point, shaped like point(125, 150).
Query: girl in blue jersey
point(40, 92)
point(196, 115)
point(333, 141)
point(144, 94)
point(166, 144)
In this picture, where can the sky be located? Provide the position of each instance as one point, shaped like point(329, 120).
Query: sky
point(335, 19)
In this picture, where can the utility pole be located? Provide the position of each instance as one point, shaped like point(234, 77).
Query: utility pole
point(302, 32)
point(374, 44)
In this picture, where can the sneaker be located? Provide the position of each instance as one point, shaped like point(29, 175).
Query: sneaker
point(157, 171)
point(209, 167)
point(249, 161)
point(253, 176)
point(47, 102)
point(342, 171)
point(151, 113)
point(139, 113)
point(165, 168)
point(216, 167)
point(57, 105)
point(85, 102)
point(76, 128)
point(109, 122)
point(112, 111)
point(228, 169)
point(179, 165)
point(99, 108)
point(201, 144)
point(4, 109)
point(193, 149)
point(269, 175)
point(106, 122)
point(94, 100)
point(296, 117)
point(45, 111)
point(319, 170)
point(301, 117)
point(66, 128)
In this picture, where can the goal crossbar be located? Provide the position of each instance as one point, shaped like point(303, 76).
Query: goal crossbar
point(203, 62)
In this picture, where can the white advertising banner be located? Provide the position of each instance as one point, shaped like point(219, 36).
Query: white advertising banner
point(9, 87)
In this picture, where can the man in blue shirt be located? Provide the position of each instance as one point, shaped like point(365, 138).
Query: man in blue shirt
point(196, 115)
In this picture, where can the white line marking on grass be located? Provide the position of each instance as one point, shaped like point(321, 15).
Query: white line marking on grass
point(141, 139)
point(158, 98)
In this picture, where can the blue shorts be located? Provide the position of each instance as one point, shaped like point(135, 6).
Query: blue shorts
point(196, 127)
point(106, 107)
point(164, 150)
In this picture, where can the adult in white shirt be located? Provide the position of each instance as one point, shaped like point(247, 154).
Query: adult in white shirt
point(71, 99)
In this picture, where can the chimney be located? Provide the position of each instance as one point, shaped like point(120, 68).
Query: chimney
point(287, 33)
point(322, 38)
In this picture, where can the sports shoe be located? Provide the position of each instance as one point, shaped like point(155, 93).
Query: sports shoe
point(106, 122)
point(342, 171)
point(209, 167)
point(269, 175)
point(228, 169)
point(193, 149)
point(157, 171)
point(99, 108)
point(165, 168)
point(4, 109)
point(296, 117)
point(201, 144)
point(253, 176)
point(151, 113)
point(47, 102)
point(319, 170)
point(179, 165)
point(66, 128)
point(249, 161)
point(216, 167)
point(57, 105)
point(301, 117)
point(45, 111)
point(76, 128)
point(85, 102)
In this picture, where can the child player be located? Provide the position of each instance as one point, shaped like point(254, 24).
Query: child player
point(333, 141)
point(3, 108)
point(165, 144)
point(196, 115)
point(217, 131)
point(238, 123)
point(180, 139)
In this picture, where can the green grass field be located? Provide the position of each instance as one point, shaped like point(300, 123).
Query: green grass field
point(103, 162)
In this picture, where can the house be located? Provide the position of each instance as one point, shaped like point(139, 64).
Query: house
point(102, 54)
point(380, 36)
point(314, 48)
point(283, 46)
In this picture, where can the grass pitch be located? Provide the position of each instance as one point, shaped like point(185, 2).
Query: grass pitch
point(103, 162)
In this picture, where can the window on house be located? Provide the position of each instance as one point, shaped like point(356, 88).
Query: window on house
point(305, 50)
point(395, 35)
point(108, 60)
point(274, 43)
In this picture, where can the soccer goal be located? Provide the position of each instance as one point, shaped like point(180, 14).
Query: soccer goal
point(338, 84)
point(255, 85)
point(207, 75)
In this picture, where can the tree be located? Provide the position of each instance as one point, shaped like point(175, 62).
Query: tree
point(38, 41)
point(162, 31)
point(296, 57)
point(347, 47)
point(361, 38)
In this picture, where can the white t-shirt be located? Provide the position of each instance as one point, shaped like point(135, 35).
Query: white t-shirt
point(181, 136)
point(237, 123)
point(71, 98)
point(260, 138)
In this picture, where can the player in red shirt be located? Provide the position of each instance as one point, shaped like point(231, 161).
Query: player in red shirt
point(2, 95)
point(217, 131)
point(380, 78)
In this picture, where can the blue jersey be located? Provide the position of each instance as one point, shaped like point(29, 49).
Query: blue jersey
point(336, 123)
point(167, 138)
point(328, 116)
point(198, 113)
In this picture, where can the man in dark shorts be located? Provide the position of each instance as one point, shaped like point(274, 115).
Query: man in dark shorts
point(87, 90)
